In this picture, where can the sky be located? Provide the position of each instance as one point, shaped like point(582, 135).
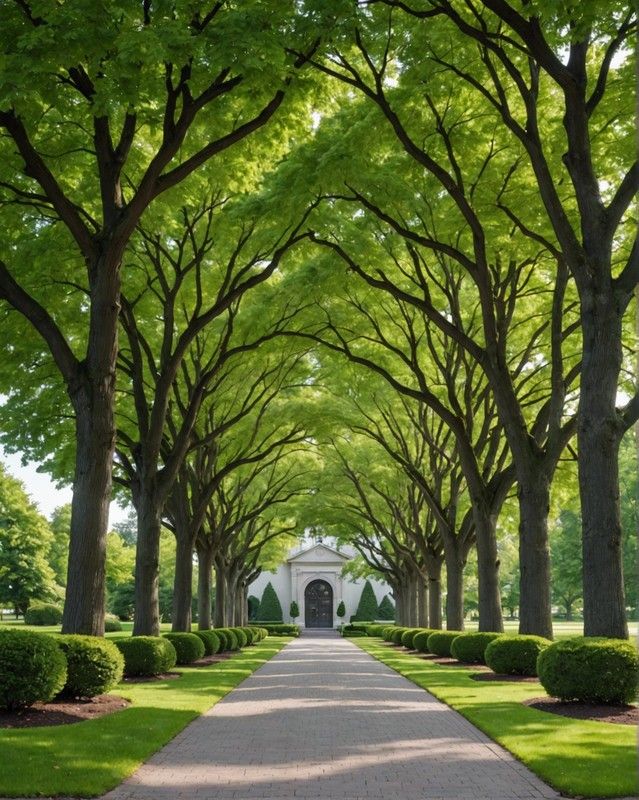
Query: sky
point(43, 492)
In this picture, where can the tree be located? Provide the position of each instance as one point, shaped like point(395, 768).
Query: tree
point(118, 133)
point(294, 610)
point(25, 539)
point(60, 524)
point(367, 607)
point(567, 578)
point(386, 609)
point(270, 609)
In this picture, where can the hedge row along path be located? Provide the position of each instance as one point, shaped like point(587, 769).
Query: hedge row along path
point(323, 720)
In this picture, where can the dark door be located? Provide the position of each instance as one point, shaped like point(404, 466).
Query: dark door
point(318, 605)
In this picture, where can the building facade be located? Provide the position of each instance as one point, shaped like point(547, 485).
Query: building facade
point(313, 578)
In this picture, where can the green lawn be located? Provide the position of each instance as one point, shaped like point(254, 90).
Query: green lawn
point(89, 758)
point(591, 759)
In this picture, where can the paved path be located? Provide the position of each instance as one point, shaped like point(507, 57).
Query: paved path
point(325, 720)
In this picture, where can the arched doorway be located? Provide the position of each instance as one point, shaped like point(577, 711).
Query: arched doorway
point(318, 605)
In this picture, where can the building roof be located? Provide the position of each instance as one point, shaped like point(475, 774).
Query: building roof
point(319, 552)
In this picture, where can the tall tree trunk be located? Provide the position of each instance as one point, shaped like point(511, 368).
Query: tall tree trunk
point(146, 621)
point(490, 616)
point(535, 608)
point(398, 597)
point(454, 587)
point(221, 613)
point(435, 600)
point(422, 603)
point(599, 437)
point(204, 587)
point(183, 582)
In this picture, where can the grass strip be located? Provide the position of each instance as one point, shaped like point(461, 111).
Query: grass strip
point(87, 759)
point(576, 757)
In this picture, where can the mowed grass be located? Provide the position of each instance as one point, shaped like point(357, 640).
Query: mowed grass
point(86, 759)
point(579, 758)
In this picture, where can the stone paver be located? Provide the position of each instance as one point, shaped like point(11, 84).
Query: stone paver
point(324, 720)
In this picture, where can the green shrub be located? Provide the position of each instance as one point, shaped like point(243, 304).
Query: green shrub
point(270, 606)
point(420, 639)
point(353, 631)
point(250, 635)
point(515, 655)
point(341, 610)
point(375, 630)
point(146, 655)
point(396, 635)
point(225, 639)
point(469, 648)
point(387, 632)
point(188, 646)
point(439, 642)
point(242, 638)
point(211, 641)
point(590, 669)
point(94, 665)
point(253, 606)
point(258, 634)
point(408, 637)
point(294, 610)
point(32, 668)
point(112, 624)
point(280, 629)
point(43, 614)
point(367, 606)
point(230, 639)
point(386, 609)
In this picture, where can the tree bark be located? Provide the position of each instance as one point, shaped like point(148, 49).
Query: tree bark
point(599, 436)
point(454, 588)
point(435, 601)
point(490, 616)
point(535, 608)
point(422, 604)
point(146, 621)
point(183, 583)
point(204, 587)
point(221, 614)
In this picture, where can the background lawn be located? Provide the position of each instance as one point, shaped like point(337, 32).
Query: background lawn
point(591, 759)
point(89, 758)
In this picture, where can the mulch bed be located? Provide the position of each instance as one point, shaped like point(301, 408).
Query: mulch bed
point(447, 661)
point(62, 712)
point(214, 659)
point(621, 715)
point(492, 676)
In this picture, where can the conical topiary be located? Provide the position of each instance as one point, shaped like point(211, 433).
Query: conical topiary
point(294, 611)
point(386, 609)
point(270, 609)
point(341, 609)
point(367, 608)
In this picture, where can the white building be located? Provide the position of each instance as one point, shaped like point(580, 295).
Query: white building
point(313, 577)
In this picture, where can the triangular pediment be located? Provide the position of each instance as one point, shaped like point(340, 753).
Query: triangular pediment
point(319, 553)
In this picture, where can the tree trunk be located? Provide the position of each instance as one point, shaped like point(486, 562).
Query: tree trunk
point(204, 588)
point(535, 608)
point(435, 600)
point(221, 613)
point(568, 612)
point(599, 436)
point(398, 596)
point(454, 589)
point(490, 616)
point(422, 603)
point(183, 582)
point(146, 621)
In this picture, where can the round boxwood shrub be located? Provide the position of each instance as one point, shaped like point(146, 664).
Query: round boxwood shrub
point(396, 635)
point(43, 614)
point(146, 655)
point(469, 648)
point(515, 655)
point(420, 639)
point(188, 647)
point(112, 624)
point(408, 637)
point(32, 668)
point(211, 641)
point(590, 669)
point(440, 642)
point(242, 639)
point(230, 639)
point(375, 630)
point(94, 665)
point(388, 632)
point(250, 636)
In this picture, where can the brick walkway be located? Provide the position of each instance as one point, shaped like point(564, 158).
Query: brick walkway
point(324, 720)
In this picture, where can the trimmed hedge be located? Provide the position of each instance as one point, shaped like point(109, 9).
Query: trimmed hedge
point(43, 614)
point(250, 636)
point(242, 638)
point(470, 648)
point(440, 642)
point(376, 630)
point(230, 639)
point(590, 669)
point(396, 635)
point(408, 637)
point(367, 606)
point(352, 631)
point(270, 606)
point(388, 632)
point(211, 641)
point(188, 646)
point(420, 639)
point(515, 655)
point(280, 629)
point(146, 655)
point(32, 668)
point(94, 665)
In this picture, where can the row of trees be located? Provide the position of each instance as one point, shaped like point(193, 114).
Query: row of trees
point(418, 323)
